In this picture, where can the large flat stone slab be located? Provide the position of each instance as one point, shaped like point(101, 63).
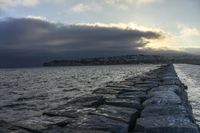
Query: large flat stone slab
point(137, 95)
point(124, 103)
point(68, 111)
point(87, 101)
point(145, 85)
point(36, 124)
point(106, 90)
point(164, 110)
point(131, 89)
point(139, 81)
point(177, 89)
point(166, 94)
point(68, 130)
point(166, 124)
point(162, 98)
point(171, 82)
point(147, 82)
point(99, 122)
point(127, 115)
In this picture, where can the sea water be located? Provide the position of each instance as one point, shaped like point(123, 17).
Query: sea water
point(190, 76)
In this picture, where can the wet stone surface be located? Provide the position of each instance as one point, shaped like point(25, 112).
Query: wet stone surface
point(68, 130)
point(155, 102)
point(98, 122)
point(137, 95)
point(165, 110)
point(127, 115)
point(177, 89)
point(166, 124)
point(124, 103)
point(162, 98)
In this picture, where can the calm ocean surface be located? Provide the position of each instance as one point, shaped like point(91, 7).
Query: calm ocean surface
point(26, 93)
point(190, 75)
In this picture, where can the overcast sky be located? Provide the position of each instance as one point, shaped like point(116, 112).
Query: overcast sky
point(34, 31)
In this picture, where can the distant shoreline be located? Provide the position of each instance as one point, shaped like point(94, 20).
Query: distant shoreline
point(126, 60)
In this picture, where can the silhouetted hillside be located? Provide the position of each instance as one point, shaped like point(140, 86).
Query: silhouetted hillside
point(128, 59)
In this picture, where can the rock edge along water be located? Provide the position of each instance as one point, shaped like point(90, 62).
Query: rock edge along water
point(155, 102)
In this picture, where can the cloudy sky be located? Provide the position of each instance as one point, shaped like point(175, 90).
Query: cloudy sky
point(34, 31)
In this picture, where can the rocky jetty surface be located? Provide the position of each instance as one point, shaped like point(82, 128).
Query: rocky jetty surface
point(155, 102)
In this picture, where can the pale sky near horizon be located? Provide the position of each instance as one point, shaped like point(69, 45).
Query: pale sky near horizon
point(178, 21)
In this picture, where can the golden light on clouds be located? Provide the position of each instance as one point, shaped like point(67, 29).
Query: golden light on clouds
point(163, 44)
point(165, 41)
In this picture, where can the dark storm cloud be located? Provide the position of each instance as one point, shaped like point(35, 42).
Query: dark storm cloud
point(34, 39)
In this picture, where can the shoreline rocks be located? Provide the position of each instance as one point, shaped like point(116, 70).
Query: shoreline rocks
point(155, 102)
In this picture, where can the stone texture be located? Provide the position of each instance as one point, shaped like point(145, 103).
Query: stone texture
point(87, 101)
point(172, 82)
point(106, 90)
point(166, 124)
point(163, 98)
point(130, 89)
point(150, 86)
point(147, 82)
point(164, 110)
point(98, 122)
point(124, 103)
point(166, 94)
point(68, 111)
point(137, 95)
point(127, 115)
point(36, 124)
point(177, 89)
point(68, 130)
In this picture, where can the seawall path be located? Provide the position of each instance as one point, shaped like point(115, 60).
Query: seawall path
point(155, 102)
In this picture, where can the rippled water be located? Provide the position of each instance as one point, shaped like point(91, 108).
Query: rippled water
point(190, 75)
point(27, 93)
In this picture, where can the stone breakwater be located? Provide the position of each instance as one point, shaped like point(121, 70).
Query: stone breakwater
point(155, 102)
